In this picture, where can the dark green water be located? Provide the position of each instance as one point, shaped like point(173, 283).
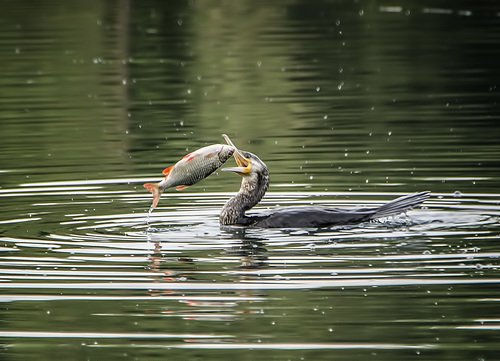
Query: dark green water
point(349, 103)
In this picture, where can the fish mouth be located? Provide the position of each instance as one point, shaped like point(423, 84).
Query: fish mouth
point(244, 164)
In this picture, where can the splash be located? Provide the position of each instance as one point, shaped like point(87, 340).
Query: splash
point(148, 216)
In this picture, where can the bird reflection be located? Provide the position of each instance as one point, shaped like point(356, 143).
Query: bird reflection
point(196, 305)
point(251, 250)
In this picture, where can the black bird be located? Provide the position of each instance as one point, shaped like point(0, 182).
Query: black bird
point(255, 182)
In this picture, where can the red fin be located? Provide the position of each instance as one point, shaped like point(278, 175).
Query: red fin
point(167, 170)
point(181, 187)
point(189, 157)
point(155, 189)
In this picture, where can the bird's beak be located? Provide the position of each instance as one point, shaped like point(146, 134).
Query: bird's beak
point(244, 164)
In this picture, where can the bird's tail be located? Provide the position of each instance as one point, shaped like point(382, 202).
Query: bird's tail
point(400, 205)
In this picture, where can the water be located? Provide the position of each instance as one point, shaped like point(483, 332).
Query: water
point(349, 104)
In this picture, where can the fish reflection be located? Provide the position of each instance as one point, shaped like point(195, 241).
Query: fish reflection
point(251, 253)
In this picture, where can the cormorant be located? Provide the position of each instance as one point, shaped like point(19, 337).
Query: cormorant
point(255, 182)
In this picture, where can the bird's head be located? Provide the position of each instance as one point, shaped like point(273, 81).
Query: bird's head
point(254, 184)
point(248, 164)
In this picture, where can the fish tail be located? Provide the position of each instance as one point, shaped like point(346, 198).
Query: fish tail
point(155, 189)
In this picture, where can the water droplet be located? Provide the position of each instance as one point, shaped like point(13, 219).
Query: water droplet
point(426, 252)
point(318, 89)
point(465, 12)
point(457, 194)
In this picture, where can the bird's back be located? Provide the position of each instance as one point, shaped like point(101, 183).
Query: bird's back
point(313, 217)
point(317, 217)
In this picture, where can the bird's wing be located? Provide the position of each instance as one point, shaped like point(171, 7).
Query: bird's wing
point(314, 217)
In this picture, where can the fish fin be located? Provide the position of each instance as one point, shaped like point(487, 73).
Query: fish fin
point(155, 189)
point(181, 187)
point(167, 170)
point(189, 157)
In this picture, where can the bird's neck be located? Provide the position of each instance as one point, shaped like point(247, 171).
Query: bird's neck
point(251, 192)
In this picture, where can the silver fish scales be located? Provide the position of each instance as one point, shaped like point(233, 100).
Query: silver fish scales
point(191, 169)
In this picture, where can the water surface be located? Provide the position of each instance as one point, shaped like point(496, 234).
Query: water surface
point(350, 104)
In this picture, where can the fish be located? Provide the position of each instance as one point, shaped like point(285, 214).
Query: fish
point(191, 169)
